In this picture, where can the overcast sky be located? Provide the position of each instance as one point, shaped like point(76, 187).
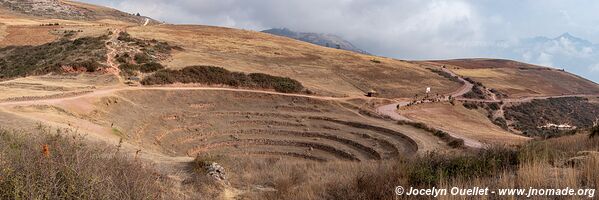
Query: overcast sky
point(405, 29)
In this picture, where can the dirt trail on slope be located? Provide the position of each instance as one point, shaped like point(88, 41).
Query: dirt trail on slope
point(108, 91)
point(390, 110)
point(111, 54)
point(467, 87)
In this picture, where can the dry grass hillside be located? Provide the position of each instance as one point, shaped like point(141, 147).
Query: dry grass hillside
point(325, 71)
point(520, 79)
point(461, 121)
point(282, 119)
point(70, 10)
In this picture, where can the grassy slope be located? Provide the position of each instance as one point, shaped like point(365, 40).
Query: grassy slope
point(520, 79)
point(323, 70)
point(462, 121)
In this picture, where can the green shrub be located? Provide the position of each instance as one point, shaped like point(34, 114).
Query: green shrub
point(470, 105)
point(217, 75)
point(575, 111)
point(475, 93)
point(280, 84)
point(89, 65)
point(141, 58)
point(427, 170)
point(500, 121)
point(129, 69)
point(494, 106)
point(367, 185)
point(149, 47)
point(125, 58)
point(16, 61)
point(456, 143)
point(445, 75)
point(125, 37)
point(151, 67)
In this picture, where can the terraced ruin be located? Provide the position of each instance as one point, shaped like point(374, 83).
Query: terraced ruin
point(188, 123)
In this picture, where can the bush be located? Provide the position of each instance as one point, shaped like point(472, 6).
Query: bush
point(53, 166)
point(475, 93)
point(141, 58)
point(367, 185)
point(217, 75)
point(500, 121)
point(456, 143)
point(498, 93)
point(129, 69)
point(427, 170)
point(90, 65)
point(445, 74)
point(125, 37)
point(47, 58)
point(280, 84)
point(575, 111)
point(123, 58)
point(475, 83)
point(494, 106)
point(151, 67)
point(470, 105)
point(151, 47)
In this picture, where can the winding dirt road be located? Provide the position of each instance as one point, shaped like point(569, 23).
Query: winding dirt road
point(390, 110)
point(108, 91)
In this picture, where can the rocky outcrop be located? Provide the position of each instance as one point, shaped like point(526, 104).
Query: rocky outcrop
point(216, 171)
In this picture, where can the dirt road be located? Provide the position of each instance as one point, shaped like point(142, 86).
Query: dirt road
point(467, 87)
point(390, 110)
point(108, 91)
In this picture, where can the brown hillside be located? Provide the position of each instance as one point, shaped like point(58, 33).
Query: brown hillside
point(267, 117)
point(486, 63)
point(323, 70)
point(62, 9)
point(520, 79)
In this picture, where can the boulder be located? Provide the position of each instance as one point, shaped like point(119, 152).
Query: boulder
point(216, 171)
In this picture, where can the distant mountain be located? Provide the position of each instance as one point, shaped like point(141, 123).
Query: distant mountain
point(326, 40)
point(565, 51)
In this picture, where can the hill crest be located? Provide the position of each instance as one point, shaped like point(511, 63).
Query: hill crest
point(69, 10)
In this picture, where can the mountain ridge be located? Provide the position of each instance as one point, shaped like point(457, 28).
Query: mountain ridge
point(322, 39)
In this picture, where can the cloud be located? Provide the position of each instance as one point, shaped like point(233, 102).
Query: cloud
point(545, 59)
point(396, 28)
point(406, 29)
point(594, 68)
